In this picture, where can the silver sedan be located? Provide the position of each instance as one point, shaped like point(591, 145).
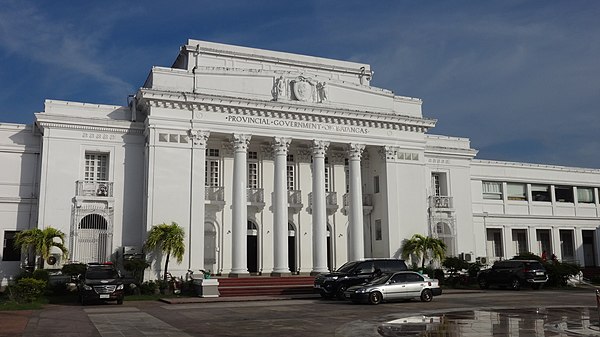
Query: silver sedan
point(396, 286)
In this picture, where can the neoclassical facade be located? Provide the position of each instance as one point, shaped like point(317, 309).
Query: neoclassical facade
point(277, 164)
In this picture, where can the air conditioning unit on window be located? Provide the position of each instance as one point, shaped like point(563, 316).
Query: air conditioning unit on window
point(482, 260)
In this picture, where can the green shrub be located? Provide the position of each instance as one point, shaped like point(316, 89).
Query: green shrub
point(41, 274)
point(26, 290)
point(136, 267)
point(559, 272)
point(148, 288)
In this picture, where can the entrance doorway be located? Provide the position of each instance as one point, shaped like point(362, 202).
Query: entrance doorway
point(210, 247)
point(292, 248)
point(252, 247)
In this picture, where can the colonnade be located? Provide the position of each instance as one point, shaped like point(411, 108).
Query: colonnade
point(280, 147)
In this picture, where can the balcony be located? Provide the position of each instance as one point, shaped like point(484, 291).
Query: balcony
point(331, 203)
point(94, 191)
point(442, 203)
point(101, 189)
point(214, 194)
point(367, 202)
point(295, 199)
point(255, 197)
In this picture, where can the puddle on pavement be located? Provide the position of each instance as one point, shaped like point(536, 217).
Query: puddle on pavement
point(540, 322)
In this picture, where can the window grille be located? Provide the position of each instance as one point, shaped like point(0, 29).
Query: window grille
point(291, 180)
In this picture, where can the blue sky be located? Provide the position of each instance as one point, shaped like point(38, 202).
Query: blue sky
point(521, 79)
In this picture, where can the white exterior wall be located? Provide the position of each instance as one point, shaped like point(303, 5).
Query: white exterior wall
point(226, 90)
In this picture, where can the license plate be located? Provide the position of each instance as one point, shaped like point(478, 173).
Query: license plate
point(539, 273)
point(104, 296)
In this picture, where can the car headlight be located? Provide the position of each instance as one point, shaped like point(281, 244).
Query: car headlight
point(120, 287)
point(361, 291)
point(331, 278)
point(86, 287)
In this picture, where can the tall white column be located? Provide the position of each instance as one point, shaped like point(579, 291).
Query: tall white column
point(280, 207)
point(356, 250)
point(197, 189)
point(239, 226)
point(319, 208)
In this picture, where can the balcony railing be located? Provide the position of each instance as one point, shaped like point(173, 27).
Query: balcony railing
point(214, 193)
point(102, 189)
point(255, 195)
point(367, 199)
point(330, 199)
point(294, 197)
point(436, 201)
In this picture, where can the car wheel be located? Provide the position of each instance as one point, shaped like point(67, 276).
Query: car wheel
point(426, 295)
point(515, 284)
point(536, 286)
point(375, 297)
point(340, 292)
point(323, 294)
point(119, 301)
point(483, 284)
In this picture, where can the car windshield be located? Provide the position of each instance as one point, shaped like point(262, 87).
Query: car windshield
point(534, 265)
point(348, 266)
point(101, 273)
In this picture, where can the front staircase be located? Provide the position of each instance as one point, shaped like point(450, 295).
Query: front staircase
point(265, 286)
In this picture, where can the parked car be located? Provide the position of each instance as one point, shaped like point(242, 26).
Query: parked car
point(396, 286)
point(513, 274)
point(101, 282)
point(353, 273)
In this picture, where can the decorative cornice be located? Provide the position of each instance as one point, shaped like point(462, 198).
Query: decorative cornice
point(292, 110)
point(87, 127)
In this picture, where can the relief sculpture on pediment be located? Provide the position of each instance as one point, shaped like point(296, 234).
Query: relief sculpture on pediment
point(280, 89)
point(303, 89)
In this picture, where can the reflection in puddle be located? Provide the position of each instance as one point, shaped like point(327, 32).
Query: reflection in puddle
point(508, 322)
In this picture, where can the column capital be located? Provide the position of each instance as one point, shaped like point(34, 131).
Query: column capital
point(319, 147)
point(240, 141)
point(198, 137)
point(388, 152)
point(281, 145)
point(355, 151)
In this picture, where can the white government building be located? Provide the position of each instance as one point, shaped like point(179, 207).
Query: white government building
point(276, 163)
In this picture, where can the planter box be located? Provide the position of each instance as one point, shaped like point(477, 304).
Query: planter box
point(206, 287)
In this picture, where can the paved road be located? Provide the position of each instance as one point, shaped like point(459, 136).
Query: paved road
point(539, 313)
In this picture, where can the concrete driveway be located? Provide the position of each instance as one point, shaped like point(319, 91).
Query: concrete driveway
point(455, 313)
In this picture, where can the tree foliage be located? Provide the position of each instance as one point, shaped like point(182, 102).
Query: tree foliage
point(424, 247)
point(41, 242)
point(169, 239)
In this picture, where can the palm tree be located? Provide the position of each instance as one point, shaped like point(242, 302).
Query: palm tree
point(41, 242)
point(422, 247)
point(169, 239)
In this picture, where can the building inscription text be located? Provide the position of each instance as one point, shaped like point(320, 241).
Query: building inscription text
point(297, 124)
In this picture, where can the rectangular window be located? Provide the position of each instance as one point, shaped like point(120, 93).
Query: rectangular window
point(253, 175)
point(347, 175)
point(252, 155)
point(519, 237)
point(378, 235)
point(585, 195)
point(564, 193)
point(376, 184)
point(516, 191)
point(291, 181)
point(540, 193)
point(494, 242)
point(212, 173)
point(327, 178)
point(10, 252)
point(96, 167)
point(436, 184)
point(492, 190)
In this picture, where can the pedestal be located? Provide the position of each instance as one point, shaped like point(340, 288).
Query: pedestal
point(206, 287)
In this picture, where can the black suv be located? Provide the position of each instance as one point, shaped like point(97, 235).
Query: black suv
point(353, 273)
point(514, 274)
point(101, 282)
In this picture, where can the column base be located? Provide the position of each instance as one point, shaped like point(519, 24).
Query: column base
point(315, 272)
point(280, 274)
point(232, 274)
